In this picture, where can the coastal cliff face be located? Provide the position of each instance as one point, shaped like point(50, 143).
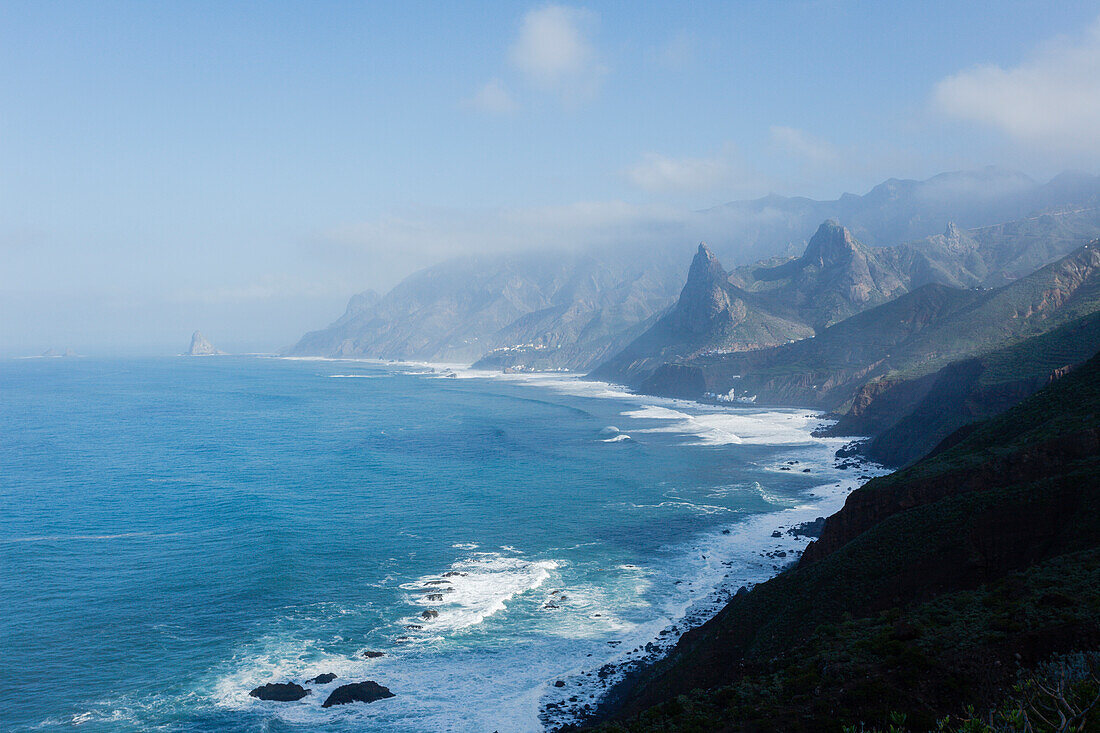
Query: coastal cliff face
point(909, 417)
point(933, 589)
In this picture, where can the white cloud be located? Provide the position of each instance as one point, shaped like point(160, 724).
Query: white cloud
point(804, 146)
point(1052, 99)
point(555, 52)
point(494, 98)
point(658, 173)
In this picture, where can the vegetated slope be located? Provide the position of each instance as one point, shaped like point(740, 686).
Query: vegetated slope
point(930, 591)
point(909, 417)
point(914, 335)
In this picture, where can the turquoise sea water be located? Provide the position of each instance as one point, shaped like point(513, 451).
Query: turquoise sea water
point(178, 531)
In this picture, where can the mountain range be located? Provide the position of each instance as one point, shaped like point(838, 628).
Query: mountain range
point(576, 310)
point(793, 299)
point(958, 593)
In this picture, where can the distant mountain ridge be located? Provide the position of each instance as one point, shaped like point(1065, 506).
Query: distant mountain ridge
point(570, 310)
point(912, 335)
point(836, 278)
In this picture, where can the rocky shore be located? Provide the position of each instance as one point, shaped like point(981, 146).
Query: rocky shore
point(585, 695)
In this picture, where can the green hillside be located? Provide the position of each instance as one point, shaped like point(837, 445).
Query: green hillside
point(935, 592)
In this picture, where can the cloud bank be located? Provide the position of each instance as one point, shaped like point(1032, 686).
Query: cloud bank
point(555, 51)
point(1050, 100)
point(721, 171)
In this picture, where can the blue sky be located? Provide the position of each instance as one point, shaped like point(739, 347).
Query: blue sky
point(244, 167)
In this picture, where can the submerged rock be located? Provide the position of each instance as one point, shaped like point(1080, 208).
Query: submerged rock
point(280, 692)
point(322, 679)
point(369, 654)
point(357, 692)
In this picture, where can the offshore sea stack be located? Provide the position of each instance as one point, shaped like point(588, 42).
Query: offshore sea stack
point(201, 347)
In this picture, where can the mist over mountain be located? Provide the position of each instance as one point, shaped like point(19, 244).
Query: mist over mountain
point(574, 309)
point(837, 277)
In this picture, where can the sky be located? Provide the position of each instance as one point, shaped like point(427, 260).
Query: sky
point(243, 168)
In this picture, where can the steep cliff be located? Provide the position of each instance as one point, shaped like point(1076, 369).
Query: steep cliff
point(909, 417)
point(933, 589)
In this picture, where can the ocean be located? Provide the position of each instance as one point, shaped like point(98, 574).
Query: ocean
point(178, 531)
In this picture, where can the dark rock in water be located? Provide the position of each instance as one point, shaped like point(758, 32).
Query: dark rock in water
point(453, 573)
point(808, 529)
point(438, 582)
point(413, 627)
point(435, 596)
point(322, 679)
point(725, 531)
point(777, 533)
point(430, 614)
point(559, 683)
point(357, 692)
point(854, 448)
point(280, 692)
point(805, 470)
point(373, 655)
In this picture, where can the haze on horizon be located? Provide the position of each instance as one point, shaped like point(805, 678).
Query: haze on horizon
point(243, 169)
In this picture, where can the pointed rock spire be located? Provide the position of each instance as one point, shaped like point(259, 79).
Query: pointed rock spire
point(705, 293)
point(200, 346)
point(831, 245)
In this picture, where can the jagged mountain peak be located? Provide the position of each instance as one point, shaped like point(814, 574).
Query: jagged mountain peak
point(705, 295)
point(830, 245)
point(705, 267)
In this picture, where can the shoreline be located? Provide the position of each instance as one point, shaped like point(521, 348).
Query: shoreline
point(769, 542)
point(737, 556)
